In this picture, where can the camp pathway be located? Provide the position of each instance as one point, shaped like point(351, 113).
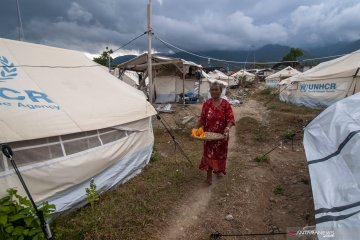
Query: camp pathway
point(189, 213)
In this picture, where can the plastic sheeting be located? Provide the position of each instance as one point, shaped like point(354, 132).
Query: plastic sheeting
point(332, 147)
point(123, 169)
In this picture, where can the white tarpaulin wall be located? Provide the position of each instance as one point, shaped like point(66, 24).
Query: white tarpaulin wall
point(165, 87)
point(273, 80)
point(68, 120)
point(324, 84)
point(332, 147)
point(168, 88)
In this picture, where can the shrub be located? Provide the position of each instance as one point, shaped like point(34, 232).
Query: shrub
point(91, 195)
point(262, 158)
point(18, 218)
point(289, 135)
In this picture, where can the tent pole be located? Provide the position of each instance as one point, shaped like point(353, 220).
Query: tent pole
point(355, 80)
point(183, 84)
point(151, 87)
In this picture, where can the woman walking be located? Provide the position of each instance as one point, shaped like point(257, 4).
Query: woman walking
point(216, 116)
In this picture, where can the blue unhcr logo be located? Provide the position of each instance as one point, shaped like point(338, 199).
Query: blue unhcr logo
point(19, 98)
point(7, 70)
point(318, 87)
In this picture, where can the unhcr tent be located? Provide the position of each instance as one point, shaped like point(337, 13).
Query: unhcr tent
point(332, 147)
point(218, 75)
point(244, 75)
point(324, 84)
point(273, 80)
point(172, 77)
point(68, 120)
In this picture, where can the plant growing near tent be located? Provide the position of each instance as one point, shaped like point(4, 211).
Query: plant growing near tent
point(91, 195)
point(18, 218)
point(279, 190)
point(262, 158)
point(289, 135)
point(154, 155)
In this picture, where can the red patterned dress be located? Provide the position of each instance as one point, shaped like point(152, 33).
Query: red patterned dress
point(215, 119)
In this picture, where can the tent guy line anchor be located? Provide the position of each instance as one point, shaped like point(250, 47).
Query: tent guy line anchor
point(7, 151)
point(217, 235)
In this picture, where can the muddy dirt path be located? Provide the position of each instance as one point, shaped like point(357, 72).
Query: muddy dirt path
point(190, 212)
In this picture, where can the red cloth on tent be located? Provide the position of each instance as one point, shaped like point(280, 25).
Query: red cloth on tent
point(215, 119)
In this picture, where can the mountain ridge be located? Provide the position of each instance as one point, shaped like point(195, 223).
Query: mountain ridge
point(267, 53)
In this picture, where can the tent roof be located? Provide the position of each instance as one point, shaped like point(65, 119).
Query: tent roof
point(211, 80)
point(49, 91)
point(216, 74)
point(242, 72)
point(342, 67)
point(139, 63)
point(286, 72)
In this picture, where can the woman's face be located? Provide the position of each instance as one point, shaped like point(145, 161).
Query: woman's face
point(215, 92)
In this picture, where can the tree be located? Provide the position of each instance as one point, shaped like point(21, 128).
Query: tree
point(103, 59)
point(293, 54)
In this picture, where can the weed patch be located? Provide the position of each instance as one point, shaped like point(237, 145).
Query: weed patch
point(262, 158)
point(279, 190)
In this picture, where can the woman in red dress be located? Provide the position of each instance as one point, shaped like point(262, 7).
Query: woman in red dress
point(216, 116)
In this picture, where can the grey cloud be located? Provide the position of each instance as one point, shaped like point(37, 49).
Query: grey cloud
point(91, 25)
point(328, 22)
point(210, 30)
point(77, 13)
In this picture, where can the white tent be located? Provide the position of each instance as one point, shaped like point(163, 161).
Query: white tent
point(273, 80)
point(324, 84)
point(332, 147)
point(218, 75)
point(172, 77)
point(68, 120)
point(244, 75)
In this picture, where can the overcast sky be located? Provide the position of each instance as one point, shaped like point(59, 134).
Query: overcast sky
point(195, 25)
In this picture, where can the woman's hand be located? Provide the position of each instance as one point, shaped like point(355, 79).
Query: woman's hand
point(226, 131)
